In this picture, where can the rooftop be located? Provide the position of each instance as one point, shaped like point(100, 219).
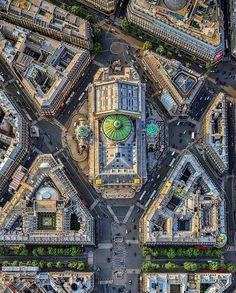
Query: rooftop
point(200, 18)
point(31, 280)
point(186, 282)
point(13, 135)
point(49, 15)
point(215, 132)
point(181, 83)
point(46, 208)
point(187, 208)
point(44, 64)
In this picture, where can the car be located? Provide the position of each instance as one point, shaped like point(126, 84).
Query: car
point(135, 253)
point(158, 176)
point(135, 227)
point(133, 220)
point(18, 93)
point(130, 282)
point(138, 210)
point(108, 259)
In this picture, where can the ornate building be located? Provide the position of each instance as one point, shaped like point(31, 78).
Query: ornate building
point(117, 150)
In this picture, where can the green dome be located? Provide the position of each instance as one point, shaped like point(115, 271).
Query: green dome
point(117, 127)
point(82, 131)
point(152, 129)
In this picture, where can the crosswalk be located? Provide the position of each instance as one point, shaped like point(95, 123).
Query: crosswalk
point(113, 214)
point(128, 214)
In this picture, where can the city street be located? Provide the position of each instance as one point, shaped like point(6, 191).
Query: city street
point(120, 217)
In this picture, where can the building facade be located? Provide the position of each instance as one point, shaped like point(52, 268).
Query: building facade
point(180, 83)
point(107, 6)
point(192, 26)
point(215, 133)
point(30, 279)
point(47, 19)
point(46, 209)
point(117, 152)
point(232, 4)
point(14, 138)
point(186, 282)
point(188, 210)
point(48, 69)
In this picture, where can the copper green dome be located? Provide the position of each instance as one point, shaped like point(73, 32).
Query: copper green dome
point(82, 131)
point(117, 127)
point(152, 129)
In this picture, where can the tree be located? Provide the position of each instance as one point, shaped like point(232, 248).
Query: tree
point(190, 266)
point(188, 65)
point(177, 51)
point(171, 253)
point(194, 58)
point(39, 251)
point(75, 9)
point(15, 263)
point(97, 33)
point(160, 50)
point(169, 54)
point(213, 265)
point(21, 251)
point(209, 66)
point(230, 267)
point(125, 26)
point(147, 46)
point(4, 250)
point(170, 265)
point(218, 252)
point(59, 264)
point(49, 265)
point(97, 48)
point(81, 266)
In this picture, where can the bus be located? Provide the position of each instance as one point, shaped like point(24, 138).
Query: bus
point(27, 115)
point(81, 96)
point(147, 203)
point(172, 162)
point(142, 195)
point(153, 193)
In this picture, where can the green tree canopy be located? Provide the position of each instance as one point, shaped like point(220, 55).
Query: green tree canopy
point(97, 48)
point(147, 46)
point(160, 50)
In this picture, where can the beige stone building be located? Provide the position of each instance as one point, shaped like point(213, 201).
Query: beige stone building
point(215, 129)
point(107, 6)
point(195, 27)
point(178, 84)
point(14, 138)
point(30, 279)
point(188, 209)
point(46, 209)
point(117, 150)
point(186, 282)
point(48, 69)
point(47, 19)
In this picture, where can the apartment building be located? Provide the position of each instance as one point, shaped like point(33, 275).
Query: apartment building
point(31, 280)
point(48, 69)
point(179, 85)
point(14, 138)
point(116, 114)
point(215, 133)
point(47, 19)
point(45, 208)
point(186, 282)
point(195, 27)
point(188, 210)
point(107, 6)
